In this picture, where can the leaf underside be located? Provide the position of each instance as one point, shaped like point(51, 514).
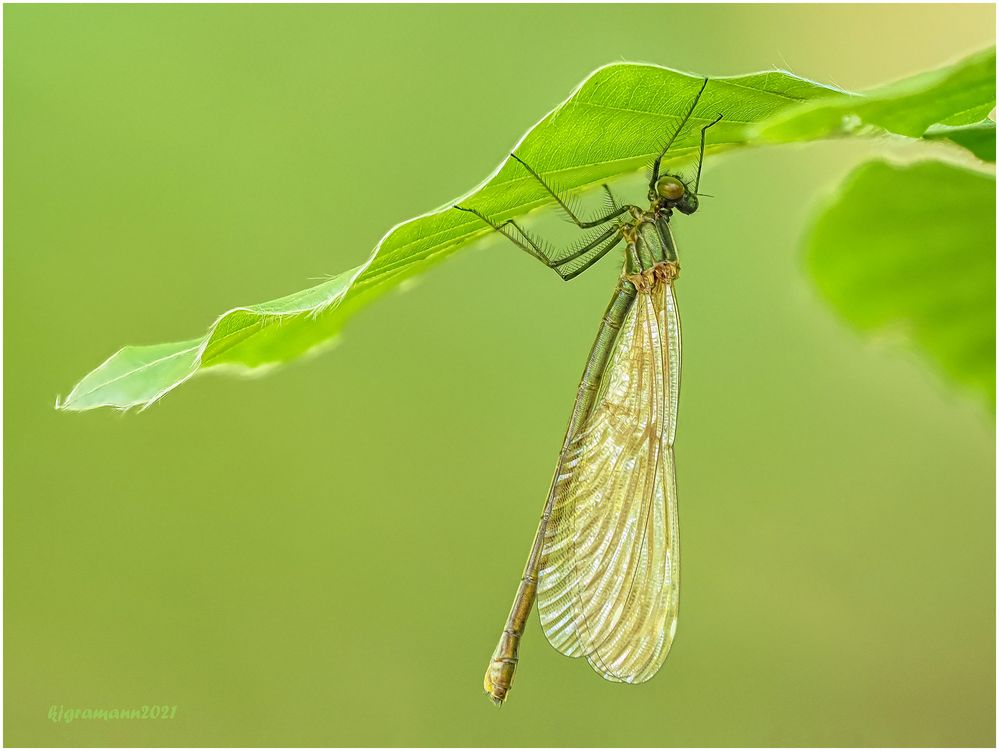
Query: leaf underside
point(614, 124)
point(979, 139)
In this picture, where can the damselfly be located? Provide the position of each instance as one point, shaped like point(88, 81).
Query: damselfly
point(605, 565)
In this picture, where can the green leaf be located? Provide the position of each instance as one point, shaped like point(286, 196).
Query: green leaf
point(614, 124)
point(912, 249)
point(959, 94)
point(250, 336)
point(979, 139)
point(134, 375)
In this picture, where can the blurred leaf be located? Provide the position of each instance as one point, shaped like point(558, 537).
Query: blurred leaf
point(913, 248)
point(979, 139)
point(615, 123)
point(960, 94)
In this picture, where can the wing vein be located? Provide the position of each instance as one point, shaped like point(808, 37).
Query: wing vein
point(608, 583)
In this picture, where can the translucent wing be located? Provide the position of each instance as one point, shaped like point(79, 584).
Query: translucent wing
point(609, 582)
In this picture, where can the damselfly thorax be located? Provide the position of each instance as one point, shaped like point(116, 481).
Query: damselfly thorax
point(605, 564)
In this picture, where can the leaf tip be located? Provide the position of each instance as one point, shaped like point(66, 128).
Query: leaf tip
point(66, 405)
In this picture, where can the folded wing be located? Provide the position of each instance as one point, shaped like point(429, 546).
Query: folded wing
point(608, 585)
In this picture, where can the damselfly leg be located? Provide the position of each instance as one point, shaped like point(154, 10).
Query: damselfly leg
point(602, 244)
point(616, 212)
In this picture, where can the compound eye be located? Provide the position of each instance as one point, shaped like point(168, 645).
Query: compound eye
point(670, 188)
point(688, 204)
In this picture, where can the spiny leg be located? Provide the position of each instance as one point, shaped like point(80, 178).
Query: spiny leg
point(611, 201)
point(686, 117)
point(700, 154)
point(529, 245)
point(600, 254)
point(633, 264)
point(533, 247)
point(565, 207)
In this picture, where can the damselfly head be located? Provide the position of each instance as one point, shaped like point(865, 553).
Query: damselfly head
point(672, 193)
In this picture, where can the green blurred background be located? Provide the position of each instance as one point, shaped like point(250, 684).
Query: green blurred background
point(326, 555)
